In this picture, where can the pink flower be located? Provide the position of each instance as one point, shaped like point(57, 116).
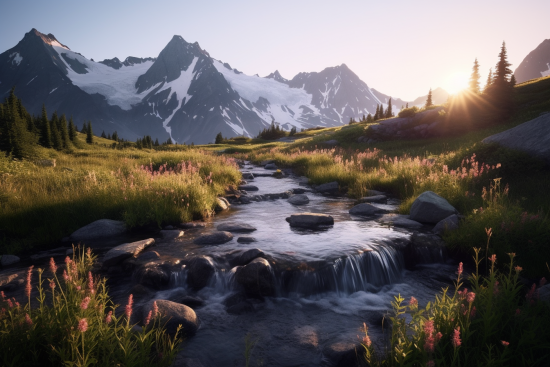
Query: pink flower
point(85, 302)
point(78, 287)
point(438, 337)
point(28, 287)
point(10, 304)
point(52, 284)
point(413, 303)
point(367, 341)
point(505, 343)
point(66, 276)
point(148, 318)
point(473, 312)
point(493, 258)
point(108, 318)
point(82, 325)
point(456, 338)
point(28, 319)
point(460, 269)
point(3, 295)
point(429, 344)
point(430, 364)
point(155, 309)
point(518, 269)
point(90, 283)
point(53, 267)
point(429, 327)
point(128, 310)
point(470, 297)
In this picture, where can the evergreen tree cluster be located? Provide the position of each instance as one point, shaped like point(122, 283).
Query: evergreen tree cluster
point(147, 142)
point(273, 132)
point(381, 114)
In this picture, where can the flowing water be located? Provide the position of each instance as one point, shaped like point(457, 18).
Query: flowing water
point(329, 281)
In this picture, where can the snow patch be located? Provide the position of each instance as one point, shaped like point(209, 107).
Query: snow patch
point(32, 80)
point(547, 72)
point(53, 90)
point(16, 58)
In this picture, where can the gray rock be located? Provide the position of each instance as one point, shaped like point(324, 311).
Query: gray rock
point(221, 204)
point(248, 176)
point(214, 238)
point(532, 137)
point(366, 210)
point(193, 302)
point(236, 227)
point(424, 248)
point(331, 187)
point(431, 208)
point(140, 291)
point(343, 354)
point(310, 220)
point(174, 314)
point(299, 199)
point(245, 200)
point(7, 260)
point(448, 224)
point(271, 166)
point(248, 187)
point(237, 304)
point(399, 220)
point(278, 174)
point(99, 229)
point(544, 293)
point(199, 272)
point(154, 276)
point(148, 256)
point(302, 180)
point(125, 251)
point(257, 278)
point(246, 239)
point(171, 234)
point(382, 199)
point(298, 191)
point(268, 161)
point(169, 227)
point(192, 225)
point(331, 142)
point(247, 256)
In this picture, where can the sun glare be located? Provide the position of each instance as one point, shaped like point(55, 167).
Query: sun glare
point(456, 82)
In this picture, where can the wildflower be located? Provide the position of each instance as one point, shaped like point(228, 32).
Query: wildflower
point(505, 343)
point(53, 267)
point(430, 364)
point(470, 297)
point(155, 309)
point(66, 276)
point(542, 282)
point(493, 258)
point(28, 287)
point(456, 338)
point(518, 269)
point(413, 303)
point(438, 337)
point(10, 304)
point(28, 319)
point(460, 269)
point(78, 287)
point(85, 302)
point(148, 318)
point(473, 312)
point(367, 341)
point(108, 318)
point(90, 282)
point(129, 307)
point(52, 285)
point(82, 325)
point(3, 295)
point(489, 232)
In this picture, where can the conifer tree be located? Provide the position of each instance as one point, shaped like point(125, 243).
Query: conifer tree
point(376, 113)
point(72, 130)
point(57, 140)
point(89, 134)
point(115, 136)
point(64, 130)
point(489, 81)
point(474, 78)
point(429, 102)
point(389, 112)
point(219, 138)
point(45, 131)
point(103, 134)
point(502, 69)
point(156, 144)
point(369, 118)
point(84, 129)
point(513, 80)
point(15, 137)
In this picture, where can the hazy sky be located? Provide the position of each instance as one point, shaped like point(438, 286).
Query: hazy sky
point(401, 48)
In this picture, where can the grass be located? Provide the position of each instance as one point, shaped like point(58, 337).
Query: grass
point(40, 205)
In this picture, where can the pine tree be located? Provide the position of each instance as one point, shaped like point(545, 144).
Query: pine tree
point(84, 129)
point(376, 113)
point(103, 135)
point(369, 118)
point(89, 134)
point(57, 140)
point(15, 137)
point(156, 144)
point(389, 112)
point(489, 81)
point(64, 130)
point(72, 130)
point(474, 78)
point(219, 138)
point(109, 136)
point(513, 80)
point(502, 69)
point(45, 131)
point(429, 102)
point(115, 136)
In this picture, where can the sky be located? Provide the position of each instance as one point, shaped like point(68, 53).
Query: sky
point(401, 47)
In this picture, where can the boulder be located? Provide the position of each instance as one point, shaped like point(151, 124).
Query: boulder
point(424, 249)
point(149, 256)
point(199, 272)
point(381, 199)
point(399, 220)
point(171, 234)
point(532, 137)
point(172, 315)
point(310, 220)
point(271, 166)
point(299, 199)
point(7, 260)
point(125, 251)
point(247, 256)
point(221, 204)
point(245, 200)
point(246, 239)
point(267, 161)
point(248, 176)
point(331, 187)
point(448, 224)
point(431, 208)
point(366, 210)
point(214, 238)
point(193, 302)
point(154, 276)
point(192, 225)
point(248, 187)
point(256, 278)
point(99, 229)
point(237, 304)
point(298, 191)
point(331, 142)
point(343, 354)
point(278, 174)
point(236, 227)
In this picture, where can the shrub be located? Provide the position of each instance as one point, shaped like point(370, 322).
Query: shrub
point(408, 112)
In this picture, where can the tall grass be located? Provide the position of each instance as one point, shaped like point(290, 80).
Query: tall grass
point(43, 204)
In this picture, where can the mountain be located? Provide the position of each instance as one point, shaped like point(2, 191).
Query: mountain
point(536, 64)
point(439, 96)
point(183, 93)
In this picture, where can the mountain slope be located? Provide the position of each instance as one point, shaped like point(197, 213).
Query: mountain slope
point(535, 64)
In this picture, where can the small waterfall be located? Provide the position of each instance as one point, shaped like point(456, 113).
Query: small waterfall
point(178, 278)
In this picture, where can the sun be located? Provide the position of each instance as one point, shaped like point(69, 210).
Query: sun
point(456, 82)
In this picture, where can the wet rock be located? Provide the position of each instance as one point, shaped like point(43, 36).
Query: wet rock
point(140, 291)
point(267, 161)
point(310, 220)
point(300, 199)
point(125, 251)
point(115, 270)
point(343, 354)
point(366, 210)
point(448, 224)
point(381, 199)
point(247, 256)
point(199, 272)
point(271, 166)
point(221, 204)
point(193, 302)
point(399, 220)
point(243, 182)
point(302, 180)
point(214, 238)
point(298, 191)
point(424, 249)
point(375, 193)
point(246, 239)
point(238, 304)
point(248, 187)
point(7, 260)
point(431, 208)
point(154, 276)
point(192, 225)
point(245, 200)
point(169, 227)
point(174, 314)
point(171, 234)
point(148, 256)
point(331, 187)
point(278, 174)
point(236, 227)
point(248, 176)
point(44, 256)
point(99, 229)
point(256, 278)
